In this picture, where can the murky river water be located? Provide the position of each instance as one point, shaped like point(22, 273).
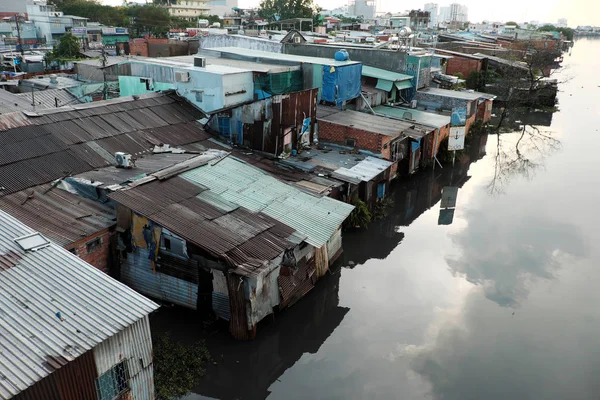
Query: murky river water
point(498, 299)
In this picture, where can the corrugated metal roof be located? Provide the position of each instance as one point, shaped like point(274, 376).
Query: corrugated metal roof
point(384, 74)
point(412, 114)
point(237, 237)
point(247, 186)
point(11, 102)
point(366, 122)
point(364, 171)
point(54, 308)
point(82, 138)
point(59, 215)
point(455, 94)
point(49, 98)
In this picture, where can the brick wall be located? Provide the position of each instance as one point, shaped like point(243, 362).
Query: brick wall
point(463, 65)
point(138, 47)
point(484, 111)
point(98, 254)
point(470, 121)
point(338, 134)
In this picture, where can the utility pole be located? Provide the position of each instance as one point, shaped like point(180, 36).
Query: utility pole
point(105, 90)
point(17, 18)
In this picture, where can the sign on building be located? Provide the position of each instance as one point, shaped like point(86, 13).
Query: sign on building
point(79, 31)
point(456, 140)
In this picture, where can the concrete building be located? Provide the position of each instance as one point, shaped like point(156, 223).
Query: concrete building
point(50, 23)
point(458, 13)
point(444, 15)
point(362, 8)
point(188, 9)
point(433, 14)
point(562, 23)
point(69, 331)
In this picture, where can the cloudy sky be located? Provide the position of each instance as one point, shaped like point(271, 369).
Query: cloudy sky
point(578, 12)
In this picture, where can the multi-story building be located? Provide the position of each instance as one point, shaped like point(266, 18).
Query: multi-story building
point(188, 9)
point(444, 15)
point(458, 13)
point(562, 23)
point(50, 23)
point(433, 14)
point(362, 8)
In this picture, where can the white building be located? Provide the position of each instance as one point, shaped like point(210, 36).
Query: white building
point(362, 8)
point(66, 326)
point(562, 23)
point(50, 23)
point(433, 13)
point(444, 15)
point(192, 10)
point(458, 13)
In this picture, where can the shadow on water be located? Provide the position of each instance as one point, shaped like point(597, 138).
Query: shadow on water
point(246, 370)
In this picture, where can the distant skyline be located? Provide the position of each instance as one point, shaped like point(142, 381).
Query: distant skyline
point(577, 12)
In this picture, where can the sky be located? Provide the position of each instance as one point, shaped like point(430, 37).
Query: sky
point(577, 12)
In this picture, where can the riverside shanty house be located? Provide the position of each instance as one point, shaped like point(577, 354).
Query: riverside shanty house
point(204, 240)
point(45, 150)
point(406, 144)
point(159, 133)
point(68, 330)
point(465, 107)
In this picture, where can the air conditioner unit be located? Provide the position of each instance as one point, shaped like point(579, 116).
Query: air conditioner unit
point(123, 160)
point(182, 76)
point(413, 104)
point(297, 39)
point(200, 62)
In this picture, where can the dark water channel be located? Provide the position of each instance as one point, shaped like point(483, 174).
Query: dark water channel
point(497, 299)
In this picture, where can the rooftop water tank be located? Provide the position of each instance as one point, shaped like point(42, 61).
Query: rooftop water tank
point(341, 55)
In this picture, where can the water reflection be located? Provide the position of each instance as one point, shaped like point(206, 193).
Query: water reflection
point(246, 370)
point(520, 154)
point(412, 197)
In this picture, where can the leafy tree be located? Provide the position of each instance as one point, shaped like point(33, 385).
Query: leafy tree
point(177, 367)
point(360, 217)
point(568, 32)
point(287, 9)
point(513, 23)
point(149, 20)
point(107, 15)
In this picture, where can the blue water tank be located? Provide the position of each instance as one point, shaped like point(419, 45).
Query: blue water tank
point(341, 55)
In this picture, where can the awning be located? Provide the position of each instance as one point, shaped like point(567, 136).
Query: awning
point(384, 84)
point(403, 85)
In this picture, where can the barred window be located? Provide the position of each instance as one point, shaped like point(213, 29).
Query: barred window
point(113, 382)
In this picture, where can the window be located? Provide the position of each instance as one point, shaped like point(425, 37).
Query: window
point(167, 243)
point(113, 382)
point(350, 142)
point(93, 245)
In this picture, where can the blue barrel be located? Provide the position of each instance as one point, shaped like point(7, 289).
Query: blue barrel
point(294, 153)
point(341, 55)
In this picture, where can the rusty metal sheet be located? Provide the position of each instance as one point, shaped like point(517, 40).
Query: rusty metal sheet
point(61, 216)
point(13, 120)
point(36, 171)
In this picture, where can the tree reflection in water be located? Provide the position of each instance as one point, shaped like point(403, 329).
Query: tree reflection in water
point(520, 154)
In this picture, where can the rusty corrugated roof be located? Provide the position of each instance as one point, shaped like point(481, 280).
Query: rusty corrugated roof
point(37, 148)
point(245, 240)
point(59, 215)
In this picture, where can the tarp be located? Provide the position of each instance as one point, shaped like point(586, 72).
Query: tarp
point(384, 84)
point(341, 83)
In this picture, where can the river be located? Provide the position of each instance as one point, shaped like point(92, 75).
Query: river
point(496, 298)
